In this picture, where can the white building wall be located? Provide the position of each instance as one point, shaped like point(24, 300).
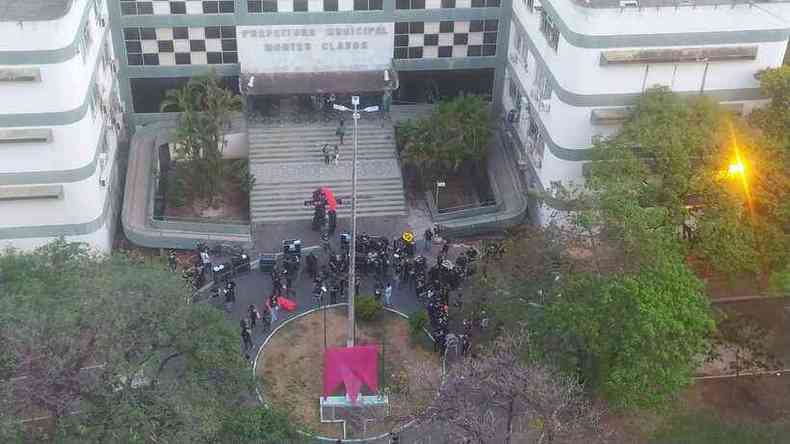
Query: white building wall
point(47, 34)
point(565, 117)
point(84, 83)
point(63, 86)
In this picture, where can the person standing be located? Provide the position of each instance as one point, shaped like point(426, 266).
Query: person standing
point(247, 338)
point(254, 315)
point(273, 310)
point(333, 292)
point(205, 258)
point(336, 154)
point(172, 261)
point(428, 236)
point(341, 130)
point(387, 294)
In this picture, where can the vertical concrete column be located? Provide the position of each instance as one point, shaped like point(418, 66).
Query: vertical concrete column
point(503, 41)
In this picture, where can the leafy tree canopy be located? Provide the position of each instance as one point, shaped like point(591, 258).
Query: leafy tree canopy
point(110, 351)
point(458, 131)
point(637, 338)
point(670, 167)
point(774, 119)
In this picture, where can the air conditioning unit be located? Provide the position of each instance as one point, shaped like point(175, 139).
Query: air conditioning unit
point(629, 3)
point(514, 58)
point(544, 106)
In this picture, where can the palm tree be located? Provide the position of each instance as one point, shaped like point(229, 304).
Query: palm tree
point(206, 108)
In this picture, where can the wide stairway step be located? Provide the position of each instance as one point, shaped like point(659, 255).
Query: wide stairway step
point(280, 197)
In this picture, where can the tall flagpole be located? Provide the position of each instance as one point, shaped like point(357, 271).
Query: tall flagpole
point(352, 261)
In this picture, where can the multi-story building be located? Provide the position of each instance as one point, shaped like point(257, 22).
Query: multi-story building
point(69, 68)
point(575, 66)
point(59, 123)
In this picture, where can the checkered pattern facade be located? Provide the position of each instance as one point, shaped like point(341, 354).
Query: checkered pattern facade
point(210, 45)
point(167, 7)
point(426, 40)
point(267, 6)
point(446, 4)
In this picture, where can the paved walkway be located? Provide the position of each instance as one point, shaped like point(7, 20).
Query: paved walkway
point(255, 286)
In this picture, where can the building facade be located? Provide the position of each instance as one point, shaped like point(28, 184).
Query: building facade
point(60, 120)
point(71, 69)
point(574, 67)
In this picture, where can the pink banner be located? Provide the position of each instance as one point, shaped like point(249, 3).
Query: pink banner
point(351, 366)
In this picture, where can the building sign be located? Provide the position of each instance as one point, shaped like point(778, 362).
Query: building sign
point(315, 48)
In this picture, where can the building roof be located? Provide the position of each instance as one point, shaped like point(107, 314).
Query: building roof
point(33, 10)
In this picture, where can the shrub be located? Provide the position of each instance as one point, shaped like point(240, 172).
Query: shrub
point(367, 308)
point(417, 322)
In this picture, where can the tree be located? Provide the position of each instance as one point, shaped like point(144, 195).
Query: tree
point(107, 348)
point(457, 132)
point(666, 173)
point(533, 263)
point(482, 399)
point(635, 337)
point(206, 108)
point(259, 425)
point(774, 119)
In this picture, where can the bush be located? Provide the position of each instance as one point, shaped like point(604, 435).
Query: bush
point(417, 322)
point(367, 308)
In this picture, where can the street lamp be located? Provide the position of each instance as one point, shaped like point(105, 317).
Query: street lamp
point(352, 259)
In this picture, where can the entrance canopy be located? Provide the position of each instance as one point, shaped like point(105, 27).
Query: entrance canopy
point(340, 82)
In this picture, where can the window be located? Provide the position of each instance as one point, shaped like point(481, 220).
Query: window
point(410, 4)
point(368, 5)
point(178, 7)
point(218, 7)
point(549, 30)
point(212, 32)
point(448, 3)
point(529, 4)
point(300, 5)
point(515, 94)
point(210, 8)
point(180, 33)
point(87, 40)
point(151, 59)
point(330, 5)
point(262, 6)
point(542, 84)
point(183, 58)
point(128, 8)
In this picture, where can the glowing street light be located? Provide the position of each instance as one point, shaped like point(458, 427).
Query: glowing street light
point(736, 169)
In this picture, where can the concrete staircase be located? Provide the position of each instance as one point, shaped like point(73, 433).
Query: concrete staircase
point(288, 165)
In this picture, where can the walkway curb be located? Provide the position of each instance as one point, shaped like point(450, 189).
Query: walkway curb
point(258, 355)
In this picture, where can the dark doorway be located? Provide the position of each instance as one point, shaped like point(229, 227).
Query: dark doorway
point(427, 86)
point(147, 94)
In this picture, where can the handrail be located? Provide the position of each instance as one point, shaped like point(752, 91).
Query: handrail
point(485, 203)
point(223, 221)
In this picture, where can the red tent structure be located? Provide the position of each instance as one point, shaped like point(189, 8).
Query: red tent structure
point(331, 203)
point(351, 366)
